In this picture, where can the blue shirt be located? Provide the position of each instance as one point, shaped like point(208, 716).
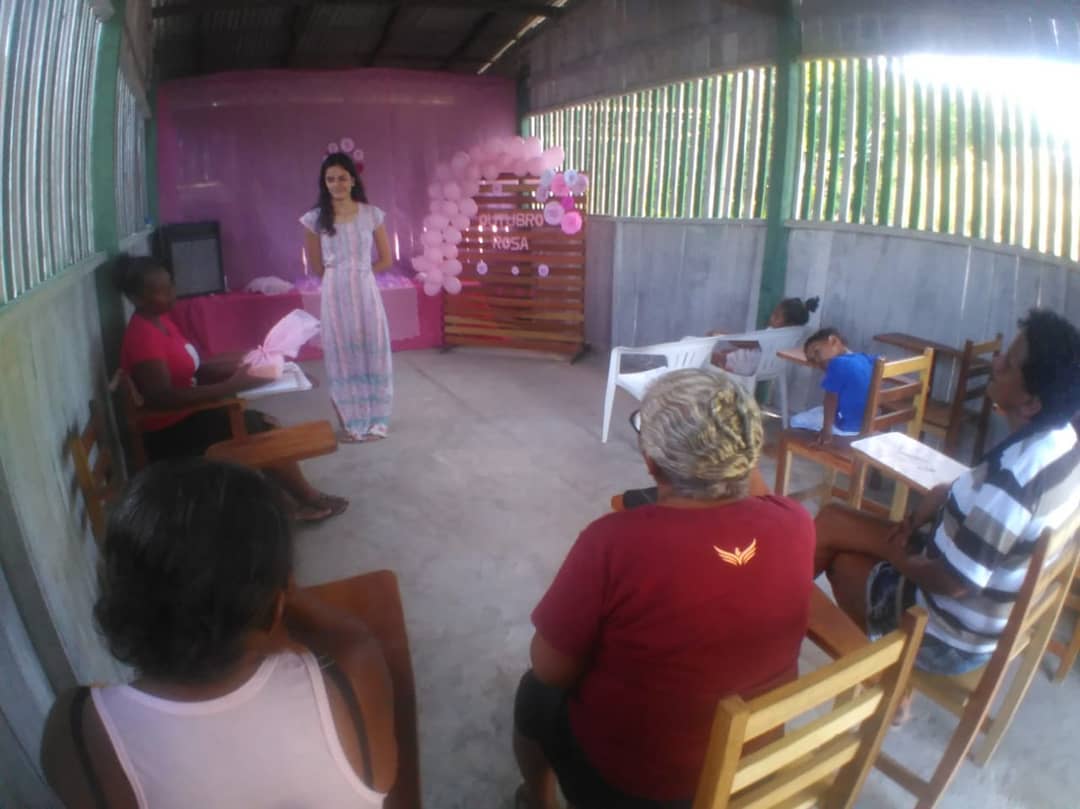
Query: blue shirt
point(848, 376)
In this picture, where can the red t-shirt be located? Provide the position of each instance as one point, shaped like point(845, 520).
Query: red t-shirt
point(668, 625)
point(145, 342)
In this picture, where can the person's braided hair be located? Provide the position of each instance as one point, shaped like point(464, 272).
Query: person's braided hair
point(703, 431)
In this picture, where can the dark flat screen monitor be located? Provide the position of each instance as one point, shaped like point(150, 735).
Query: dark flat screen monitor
point(192, 250)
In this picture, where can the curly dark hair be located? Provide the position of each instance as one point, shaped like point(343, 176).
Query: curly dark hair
point(129, 273)
point(325, 205)
point(823, 334)
point(195, 555)
point(797, 312)
point(1052, 368)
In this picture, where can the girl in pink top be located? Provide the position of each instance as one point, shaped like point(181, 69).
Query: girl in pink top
point(227, 710)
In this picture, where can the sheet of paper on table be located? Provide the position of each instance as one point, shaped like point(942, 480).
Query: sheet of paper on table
point(914, 462)
point(292, 379)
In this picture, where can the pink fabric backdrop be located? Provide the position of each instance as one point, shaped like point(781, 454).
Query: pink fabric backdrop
point(244, 149)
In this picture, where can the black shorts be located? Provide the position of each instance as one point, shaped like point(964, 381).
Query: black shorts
point(541, 714)
point(192, 436)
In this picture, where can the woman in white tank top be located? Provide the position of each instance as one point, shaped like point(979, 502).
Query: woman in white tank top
point(228, 710)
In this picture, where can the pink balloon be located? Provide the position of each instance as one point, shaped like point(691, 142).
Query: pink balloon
point(490, 172)
point(533, 147)
point(520, 167)
point(571, 223)
point(461, 222)
point(451, 267)
point(558, 186)
point(421, 264)
point(449, 251)
point(431, 238)
point(459, 162)
point(535, 166)
point(468, 207)
point(442, 172)
point(436, 221)
point(451, 236)
point(435, 276)
point(450, 209)
point(472, 172)
point(433, 254)
point(452, 191)
point(431, 289)
point(452, 285)
point(469, 189)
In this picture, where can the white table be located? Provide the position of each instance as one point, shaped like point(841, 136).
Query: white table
point(912, 463)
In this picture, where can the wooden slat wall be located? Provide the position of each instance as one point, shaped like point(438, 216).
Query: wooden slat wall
point(524, 311)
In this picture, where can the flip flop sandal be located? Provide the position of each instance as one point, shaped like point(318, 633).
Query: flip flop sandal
point(335, 504)
point(311, 513)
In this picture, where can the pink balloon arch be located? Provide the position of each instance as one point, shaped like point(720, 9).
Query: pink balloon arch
point(452, 201)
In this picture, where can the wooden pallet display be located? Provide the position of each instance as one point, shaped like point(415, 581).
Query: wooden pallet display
point(524, 311)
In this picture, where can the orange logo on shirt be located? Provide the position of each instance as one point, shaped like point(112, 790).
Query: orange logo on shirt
point(739, 557)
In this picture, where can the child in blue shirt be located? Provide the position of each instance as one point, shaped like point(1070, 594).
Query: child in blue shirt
point(846, 385)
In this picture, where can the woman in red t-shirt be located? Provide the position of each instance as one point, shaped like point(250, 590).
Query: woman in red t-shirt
point(170, 376)
point(661, 611)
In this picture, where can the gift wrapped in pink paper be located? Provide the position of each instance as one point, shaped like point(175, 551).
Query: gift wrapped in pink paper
point(282, 341)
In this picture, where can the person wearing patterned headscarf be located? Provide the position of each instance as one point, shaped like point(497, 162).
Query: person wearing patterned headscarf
point(660, 611)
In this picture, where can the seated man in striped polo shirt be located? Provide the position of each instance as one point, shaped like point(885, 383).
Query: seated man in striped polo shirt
point(963, 553)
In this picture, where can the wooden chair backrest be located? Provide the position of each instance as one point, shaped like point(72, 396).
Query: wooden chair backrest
point(973, 374)
point(1041, 598)
point(129, 401)
point(376, 600)
point(95, 470)
point(898, 391)
point(826, 760)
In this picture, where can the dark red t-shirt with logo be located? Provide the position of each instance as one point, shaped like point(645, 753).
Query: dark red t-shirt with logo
point(673, 609)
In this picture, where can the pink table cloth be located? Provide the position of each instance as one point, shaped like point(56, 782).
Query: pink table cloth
point(238, 321)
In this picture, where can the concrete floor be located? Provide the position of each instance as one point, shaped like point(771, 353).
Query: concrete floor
point(493, 466)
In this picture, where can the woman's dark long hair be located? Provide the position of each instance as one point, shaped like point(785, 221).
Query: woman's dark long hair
point(1051, 372)
point(325, 204)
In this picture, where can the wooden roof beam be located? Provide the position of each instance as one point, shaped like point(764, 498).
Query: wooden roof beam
point(532, 7)
point(468, 39)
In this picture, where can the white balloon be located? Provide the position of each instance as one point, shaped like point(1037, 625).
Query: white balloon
point(469, 207)
point(442, 172)
point(461, 222)
point(435, 276)
point(432, 238)
point(452, 285)
point(436, 221)
point(452, 236)
point(452, 190)
point(451, 267)
point(449, 251)
point(450, 209)
point(421, 264)
point(431, 289)
point(433, 254)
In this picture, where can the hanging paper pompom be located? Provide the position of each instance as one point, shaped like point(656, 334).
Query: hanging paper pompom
point(571, 223)
point(347, 144)
point(543, 270)
point(553, 212)
point(481, 267)
point(515, 270)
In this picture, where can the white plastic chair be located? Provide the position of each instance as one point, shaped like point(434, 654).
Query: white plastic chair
point(690, 352)
point(771, 366)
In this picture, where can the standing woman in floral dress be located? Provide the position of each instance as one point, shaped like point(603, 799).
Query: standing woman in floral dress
point(339, 234)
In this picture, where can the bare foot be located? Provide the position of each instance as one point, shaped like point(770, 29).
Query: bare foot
point(903, 712)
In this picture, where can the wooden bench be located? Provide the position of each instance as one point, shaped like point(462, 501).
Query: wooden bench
point(285, 444)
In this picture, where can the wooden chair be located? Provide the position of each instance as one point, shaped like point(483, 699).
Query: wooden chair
point(970, 696)
point(825, 761)
point(947, 418)
point(376, 600)
point(99, 479)
point(897, 397)
point(135, 416)
point(1068, 651)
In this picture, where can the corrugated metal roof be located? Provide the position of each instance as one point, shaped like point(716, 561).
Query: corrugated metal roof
point(192, 37)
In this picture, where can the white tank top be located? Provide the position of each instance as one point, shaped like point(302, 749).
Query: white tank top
point(270, 744)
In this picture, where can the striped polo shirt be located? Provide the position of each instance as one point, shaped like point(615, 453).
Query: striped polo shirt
point(988, 529)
